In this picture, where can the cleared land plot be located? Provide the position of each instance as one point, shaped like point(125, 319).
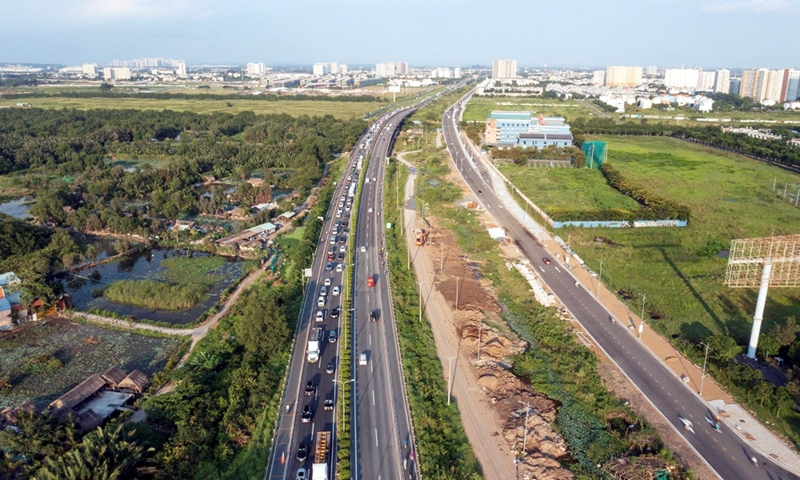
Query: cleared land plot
point(41, 362)
point(679, 268)
point(291, 107)
point(479, 108)
point(138, 162)
point(568, 187)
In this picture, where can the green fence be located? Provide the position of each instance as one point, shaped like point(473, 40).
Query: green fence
point(596, 153)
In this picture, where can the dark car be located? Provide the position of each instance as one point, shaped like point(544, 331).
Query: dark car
point(302, 451)
point(305, 417)
point(329, 266)
point(335, 312)
point(341, 256)
point(546, 261)
point(480, 192)
point(310, 388)
point(332, 336)
point(328, 405)
point(330, 367)
point(373, 317)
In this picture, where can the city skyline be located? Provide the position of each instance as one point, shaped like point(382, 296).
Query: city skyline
point(212, 32)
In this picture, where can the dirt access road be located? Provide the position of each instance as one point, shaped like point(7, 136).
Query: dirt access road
point(487, 394)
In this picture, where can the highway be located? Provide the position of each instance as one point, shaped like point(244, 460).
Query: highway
point(383, 435)
point(284, 463)
point(724, 451)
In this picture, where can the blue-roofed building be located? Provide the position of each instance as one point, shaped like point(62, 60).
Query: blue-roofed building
point(502, 128)
point(511, 129)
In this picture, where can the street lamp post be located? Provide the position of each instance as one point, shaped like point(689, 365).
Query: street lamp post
point(703, 377)
point(641, 319)
point(450, 377)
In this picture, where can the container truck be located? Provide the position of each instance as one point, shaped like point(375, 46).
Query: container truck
point(319, 470)
point(313, 345)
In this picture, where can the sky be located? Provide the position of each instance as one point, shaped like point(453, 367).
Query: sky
point(556, 33)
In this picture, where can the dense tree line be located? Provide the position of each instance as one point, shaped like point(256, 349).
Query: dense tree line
point(777, 151)
point(520, 156)
point(110, 93)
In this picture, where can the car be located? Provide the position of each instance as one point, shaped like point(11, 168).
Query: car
point(363, 248)
point(330, 367)
point(339, 268)
point(331, 249)
point(320, 315)
point(373, 317)
point(480, 192)
point(366, 180)
point(371, 281)
point(310, 388)
point(347, 207)
point(323, 291)
point(546, 261)
point(362, 359)
point(302, 451)
point(335, 291)
point(301, 474)
point(374, 179)
point(321, 302)
point(328, 282)
point(369, 210)
point(332, 336)
point(330, 257)
point(342, 249)
point(328, 405)
point(305, 416)
point(341, 256)
point(343, 239)
point(328, 266)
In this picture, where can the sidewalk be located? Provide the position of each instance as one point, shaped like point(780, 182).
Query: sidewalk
point(736, 417)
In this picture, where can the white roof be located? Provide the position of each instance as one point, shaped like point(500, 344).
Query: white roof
point(497, 233)
point(8, 278)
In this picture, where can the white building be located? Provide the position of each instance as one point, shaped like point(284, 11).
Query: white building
point(441, 73)
point(645, 103)
point(504, 69)
point(90, 70)
point(255, 69)
point(391, 69)
point(685, 78)
point(180, 69)
point(617, 76)
point(457, 72)
point(321, 69)
point(116, 73)
point(705, 81)
point(599, 77)
point(342, 70)
point(703, 104)
point(722, 82)
point(651, 70)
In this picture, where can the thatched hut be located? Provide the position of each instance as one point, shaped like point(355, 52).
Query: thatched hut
point(135, 382)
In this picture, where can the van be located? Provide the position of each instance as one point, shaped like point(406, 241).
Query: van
point(362, 359)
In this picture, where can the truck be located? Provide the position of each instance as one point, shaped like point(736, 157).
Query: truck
point(319, 470)
point(313, 345)
point(421, 237)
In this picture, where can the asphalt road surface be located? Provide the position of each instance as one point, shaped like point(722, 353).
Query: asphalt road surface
point(724, 451)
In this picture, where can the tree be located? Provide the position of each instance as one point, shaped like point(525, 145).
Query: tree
point(762, 390)
point(785, 334)
point(784, 401)
point(106, 454)
point(768, 346)
point(39, 436)
point(106, 87)
point(257, 317)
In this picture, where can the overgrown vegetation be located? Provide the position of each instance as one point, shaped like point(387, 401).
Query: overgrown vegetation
point(155, 295)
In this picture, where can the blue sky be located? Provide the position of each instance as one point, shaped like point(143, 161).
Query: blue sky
point(577, 33)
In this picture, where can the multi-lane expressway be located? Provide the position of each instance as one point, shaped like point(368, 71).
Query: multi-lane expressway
point(724, 451)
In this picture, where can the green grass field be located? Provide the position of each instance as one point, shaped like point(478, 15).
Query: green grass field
point(480, 107)
point(678, 268)
point(291, 107)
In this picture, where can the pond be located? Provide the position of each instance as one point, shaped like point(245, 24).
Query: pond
point(145, 265)
point(18, 208)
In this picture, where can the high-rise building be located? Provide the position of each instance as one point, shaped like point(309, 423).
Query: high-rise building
point(321, 69)
point(623, 76)
point(90, 70)
point(391, 69)
point(598, 77)
point(343, 69)
point(402, 68)
point(255, 69)
point(792, 90)
point(722, 82)
point(651, 70)
point(334, 67)
point(682, 78)
point(705, 81)
point(736, 86)
point(773, 89)
point(749, 83)
point(504, 69)
point(457, 72)
point(180, 69)
point(116, 73)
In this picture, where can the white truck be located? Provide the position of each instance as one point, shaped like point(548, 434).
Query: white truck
point(319, 470)
point(313, 345)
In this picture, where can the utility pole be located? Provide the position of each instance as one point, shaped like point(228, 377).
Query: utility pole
point(525, 431)
point(441, 254)
point(600, 279)
point(480, 327)
point(420, 302)
point(457, 293)
point(644, 297)
point(703, 378)
point(450, 377)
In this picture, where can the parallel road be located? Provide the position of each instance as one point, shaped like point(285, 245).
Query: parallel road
point(382, 425)
point(725, 452)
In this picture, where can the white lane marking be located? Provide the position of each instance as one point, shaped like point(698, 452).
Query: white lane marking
point(370, 339)
point(371, 370)
point(376, 437)
point(557, 270)
point(373, 397)
point(542, 269)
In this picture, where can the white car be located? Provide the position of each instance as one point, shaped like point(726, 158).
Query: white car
point(363, 248)
point(328, 282)
point(362, 359)
point(366, 180)
point(321, 302)
point(370, 210)
point(374, 179)
point(323, 291)
point(339, 268)
point(320, 316)
point(342, 249)
point(335, 291)
point(301, 474)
